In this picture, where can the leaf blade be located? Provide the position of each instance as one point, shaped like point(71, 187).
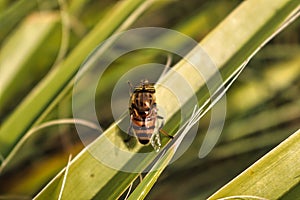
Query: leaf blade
point(261, 179)
point(83, 164)
point(59, 78)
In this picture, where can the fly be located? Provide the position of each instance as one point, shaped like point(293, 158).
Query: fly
point(144, 120)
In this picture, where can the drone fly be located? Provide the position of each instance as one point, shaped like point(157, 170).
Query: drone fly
point(144, 120)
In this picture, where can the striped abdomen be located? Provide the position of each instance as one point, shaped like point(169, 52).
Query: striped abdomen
point(143, 128)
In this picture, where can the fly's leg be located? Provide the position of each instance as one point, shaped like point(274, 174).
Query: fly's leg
point(160, 128)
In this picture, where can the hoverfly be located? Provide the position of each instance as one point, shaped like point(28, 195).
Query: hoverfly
point(144, 120)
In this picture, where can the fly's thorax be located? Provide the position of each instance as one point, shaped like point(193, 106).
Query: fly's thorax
point(143, 100)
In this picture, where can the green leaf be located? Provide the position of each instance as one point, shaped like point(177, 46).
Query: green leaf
point(29, 37)
point(271, 177)
point(237, 39)
point(38, 101)
point(16, 12)
point(10, 17)
point(150, 179)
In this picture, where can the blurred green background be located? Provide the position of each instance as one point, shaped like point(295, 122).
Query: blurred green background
point(263, 106)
